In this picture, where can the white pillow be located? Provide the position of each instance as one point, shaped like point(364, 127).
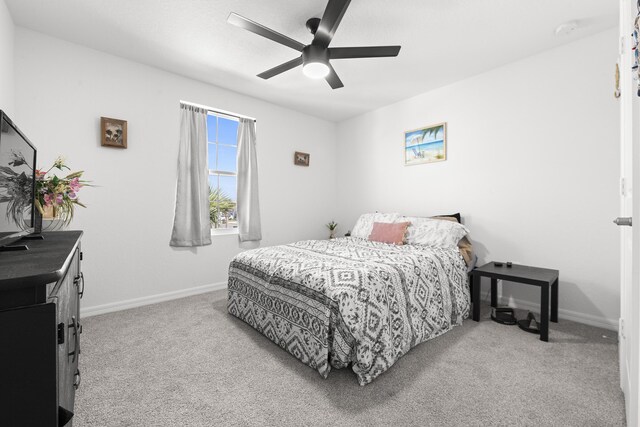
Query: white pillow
point(364, 225)
point(434, 232)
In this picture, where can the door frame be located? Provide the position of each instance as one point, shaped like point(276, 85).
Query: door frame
point(629, 326)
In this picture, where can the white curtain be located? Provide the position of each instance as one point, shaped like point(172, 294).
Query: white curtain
point(248, 201)
point(191, 222)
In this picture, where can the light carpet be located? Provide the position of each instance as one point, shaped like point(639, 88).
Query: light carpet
point(189, 363)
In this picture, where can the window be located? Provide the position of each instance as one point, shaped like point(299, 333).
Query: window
point(222, 137)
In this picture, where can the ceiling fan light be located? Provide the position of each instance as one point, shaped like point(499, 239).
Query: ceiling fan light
point(315, 70)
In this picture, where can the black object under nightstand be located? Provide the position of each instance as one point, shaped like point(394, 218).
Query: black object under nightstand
point(545, 278)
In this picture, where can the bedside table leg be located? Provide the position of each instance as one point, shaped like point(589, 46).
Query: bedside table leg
point(544, 312)
point(494, 292)
point(477, 280)
point(554, 301)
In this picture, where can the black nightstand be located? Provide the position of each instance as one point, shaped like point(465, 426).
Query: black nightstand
point(545, 278)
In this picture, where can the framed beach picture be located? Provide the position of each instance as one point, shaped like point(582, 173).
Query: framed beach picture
point(425, 145)
point(114, 132)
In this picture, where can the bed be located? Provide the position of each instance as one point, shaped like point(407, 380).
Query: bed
point(349, 301)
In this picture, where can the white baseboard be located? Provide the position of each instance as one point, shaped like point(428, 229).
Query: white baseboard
point(152, 299)
point(574, 316)
point(587, 319)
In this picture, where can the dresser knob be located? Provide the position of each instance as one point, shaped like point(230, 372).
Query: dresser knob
point(77, 379)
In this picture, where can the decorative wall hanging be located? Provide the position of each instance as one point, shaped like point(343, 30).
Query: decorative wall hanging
point(113, 132)
point(616, 93)
point(634, 49)
point(425, 145)
point(301, 159)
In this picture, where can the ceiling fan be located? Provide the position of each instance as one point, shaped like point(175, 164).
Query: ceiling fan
point(315, 56)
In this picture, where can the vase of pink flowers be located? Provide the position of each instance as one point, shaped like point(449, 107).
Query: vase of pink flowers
point(57, 197)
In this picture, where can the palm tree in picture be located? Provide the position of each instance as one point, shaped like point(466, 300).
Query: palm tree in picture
point(434, 131)
point(220, 206)
point(431, 131)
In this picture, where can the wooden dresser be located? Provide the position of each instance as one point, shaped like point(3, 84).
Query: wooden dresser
point(40, 292)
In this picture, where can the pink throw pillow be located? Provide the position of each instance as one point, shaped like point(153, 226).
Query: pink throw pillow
point(386, 232)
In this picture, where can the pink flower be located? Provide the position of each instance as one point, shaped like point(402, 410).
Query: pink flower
point(72, 195)
point(59, 198)
point(48, 199)
point(75, 185)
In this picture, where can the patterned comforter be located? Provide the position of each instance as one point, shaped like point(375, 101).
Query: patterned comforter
point(348, 300)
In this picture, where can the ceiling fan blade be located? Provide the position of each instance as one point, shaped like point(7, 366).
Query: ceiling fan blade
point(330, 20)
point(333, 79)
point(363, 52)
point(261, 30)
point(281, 68)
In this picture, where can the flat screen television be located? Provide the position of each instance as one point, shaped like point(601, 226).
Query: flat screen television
point(17, 182)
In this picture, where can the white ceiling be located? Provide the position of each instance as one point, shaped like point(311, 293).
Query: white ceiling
point(442, 41)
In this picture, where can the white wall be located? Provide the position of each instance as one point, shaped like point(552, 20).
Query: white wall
point(533, 166)
point(63, 89)
point(7, 31)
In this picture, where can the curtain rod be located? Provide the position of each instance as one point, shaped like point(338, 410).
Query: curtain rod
point(217, 111)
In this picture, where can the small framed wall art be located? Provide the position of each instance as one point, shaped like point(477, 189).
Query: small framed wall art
point(425, 145)
point(301, 159)
point(113, 132)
